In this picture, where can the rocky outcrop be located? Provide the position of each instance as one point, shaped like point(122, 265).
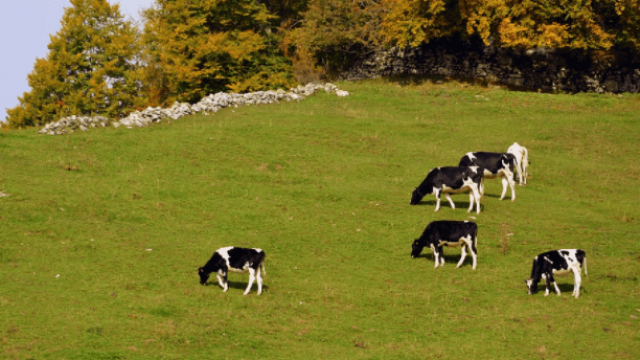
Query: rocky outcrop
point(536, 69)
point(70, 123)
point(207, 106)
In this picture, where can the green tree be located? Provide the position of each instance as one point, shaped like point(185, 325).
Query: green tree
point(198, 47)
point(90, 68)
point(332, 34)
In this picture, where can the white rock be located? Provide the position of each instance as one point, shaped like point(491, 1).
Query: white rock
point(209, 104)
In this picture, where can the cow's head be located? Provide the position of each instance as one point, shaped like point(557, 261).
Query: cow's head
point(532, 286)
point(204, 276)
point(416, 196)
point(416, 248)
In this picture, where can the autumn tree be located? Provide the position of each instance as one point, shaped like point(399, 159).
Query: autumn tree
point(287, 14)
point(198, 47)
point(413, 22)
point(576, 24)
point(332, 33)
point(90, 68)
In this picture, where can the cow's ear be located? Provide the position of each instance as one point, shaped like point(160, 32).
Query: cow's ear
point(200, 270)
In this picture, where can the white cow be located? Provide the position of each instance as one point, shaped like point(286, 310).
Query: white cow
point(522, 157)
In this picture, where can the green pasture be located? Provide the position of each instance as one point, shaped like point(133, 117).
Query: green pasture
point(102, 232)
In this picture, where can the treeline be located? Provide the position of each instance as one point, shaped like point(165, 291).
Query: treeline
point(101, 63)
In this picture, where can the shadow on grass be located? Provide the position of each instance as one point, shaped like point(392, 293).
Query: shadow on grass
point(464, 205)
point(565, 288)
point(435, 80)
point(491, 196)
point(448, 259)
point(240, 285)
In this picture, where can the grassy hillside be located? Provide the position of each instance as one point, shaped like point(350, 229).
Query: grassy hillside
point(103, 231)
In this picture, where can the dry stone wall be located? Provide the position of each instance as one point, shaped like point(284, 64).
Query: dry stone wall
point(536, 69)
point(207, 106)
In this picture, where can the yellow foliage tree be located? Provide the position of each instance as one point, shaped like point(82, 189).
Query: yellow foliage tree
point(577, 24)
point(198, 47)
point(413, 22)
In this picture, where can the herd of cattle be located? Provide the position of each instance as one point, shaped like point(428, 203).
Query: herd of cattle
point(467, 177)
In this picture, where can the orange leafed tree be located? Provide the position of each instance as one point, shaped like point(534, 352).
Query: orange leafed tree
point(198, 47)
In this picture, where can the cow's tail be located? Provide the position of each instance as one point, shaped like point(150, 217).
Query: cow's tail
point(581, 256)
point(264, 272)
point(475, 240)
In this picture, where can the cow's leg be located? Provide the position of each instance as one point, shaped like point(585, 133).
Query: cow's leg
point(259, 278)
point(441, 251)
point(505, 183)
point(547, 284)
point(252, 278)
point(436, 255)
point(476, 194)
point(551, 280)
point(520, 181)
point(519, 170)
point(463, 255)
point(474, 251)
point(512, 184)
point(220, 281)
point(470, 201)
point(577, 280)
point(437, 191)
point(448, 197)
point(225, 277)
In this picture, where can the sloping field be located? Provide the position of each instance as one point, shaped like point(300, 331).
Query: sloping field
point(103, 231)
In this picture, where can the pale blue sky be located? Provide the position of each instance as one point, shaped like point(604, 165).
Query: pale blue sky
point(25, 26)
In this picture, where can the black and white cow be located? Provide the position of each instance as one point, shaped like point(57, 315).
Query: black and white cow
point(557, 262)
point(451, 180)
point(448, 233)
point(522, 157)
point(494, 165)
point(238, 260)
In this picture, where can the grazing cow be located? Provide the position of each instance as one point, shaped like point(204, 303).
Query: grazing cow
point(557, 262)
point(448, 233)
point(494, 165)
point(235, 259)
point(451, 180)
point(522, 157)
